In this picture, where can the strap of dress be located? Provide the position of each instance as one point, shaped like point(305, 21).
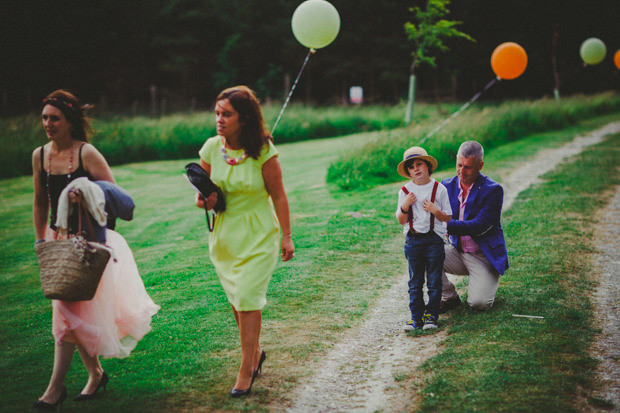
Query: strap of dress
point(43, 151)
point(80, 155)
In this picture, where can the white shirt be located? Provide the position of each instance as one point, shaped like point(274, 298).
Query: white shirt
point(422, 218)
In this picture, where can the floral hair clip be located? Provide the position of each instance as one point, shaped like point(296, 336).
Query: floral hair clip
point(54, 101)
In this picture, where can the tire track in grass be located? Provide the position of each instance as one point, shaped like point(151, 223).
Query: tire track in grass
point(361, 372)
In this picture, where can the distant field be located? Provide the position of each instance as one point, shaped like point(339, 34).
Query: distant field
point(492, 126)
point(123, 139)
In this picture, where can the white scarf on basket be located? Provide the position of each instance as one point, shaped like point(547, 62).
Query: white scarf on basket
point(94, 199)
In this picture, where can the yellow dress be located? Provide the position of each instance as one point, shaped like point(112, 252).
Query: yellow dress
point(244, 243)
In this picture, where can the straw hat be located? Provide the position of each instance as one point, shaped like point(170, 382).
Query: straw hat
point(412, 153)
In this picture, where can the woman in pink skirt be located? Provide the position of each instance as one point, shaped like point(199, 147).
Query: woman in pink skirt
point(119, 315)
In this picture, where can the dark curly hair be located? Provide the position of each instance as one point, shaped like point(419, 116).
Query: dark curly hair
point(68, 104)
point(410, 162)
point(253, 133)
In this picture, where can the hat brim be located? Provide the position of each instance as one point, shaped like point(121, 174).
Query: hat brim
point(401, 166)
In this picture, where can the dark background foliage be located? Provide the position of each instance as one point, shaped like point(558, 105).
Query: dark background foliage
point(112, 52)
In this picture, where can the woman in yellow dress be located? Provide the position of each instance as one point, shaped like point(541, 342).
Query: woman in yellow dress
point(243, 161)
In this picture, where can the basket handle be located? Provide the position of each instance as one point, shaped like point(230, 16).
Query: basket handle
point(80, 201)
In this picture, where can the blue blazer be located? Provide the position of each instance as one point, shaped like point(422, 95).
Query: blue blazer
point(481, 218)
point(118, 204)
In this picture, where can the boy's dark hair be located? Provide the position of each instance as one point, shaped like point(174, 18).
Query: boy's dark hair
point(411, 161)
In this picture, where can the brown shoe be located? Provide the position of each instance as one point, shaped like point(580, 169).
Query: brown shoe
point(448, 305)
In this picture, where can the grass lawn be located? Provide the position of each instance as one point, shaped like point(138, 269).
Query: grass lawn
point(348, 250)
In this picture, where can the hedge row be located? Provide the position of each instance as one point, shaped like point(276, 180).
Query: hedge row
point(492, 126)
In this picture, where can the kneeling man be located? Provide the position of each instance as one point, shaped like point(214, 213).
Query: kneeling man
point(477, 245)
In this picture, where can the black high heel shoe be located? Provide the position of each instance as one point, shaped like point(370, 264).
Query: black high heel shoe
point(102, 383)
point(41, 405)
point(238, 393)
point(263, 356)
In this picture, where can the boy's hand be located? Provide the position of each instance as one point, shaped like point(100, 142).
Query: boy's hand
point(409, 200)
point(430, 207)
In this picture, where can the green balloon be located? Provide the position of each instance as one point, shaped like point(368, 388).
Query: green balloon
point(593, 51)
point(315, 23)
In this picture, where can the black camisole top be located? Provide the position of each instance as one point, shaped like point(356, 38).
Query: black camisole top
point(57, 183)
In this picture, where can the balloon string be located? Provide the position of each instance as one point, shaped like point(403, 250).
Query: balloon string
point(310, 52)
point(461, 109)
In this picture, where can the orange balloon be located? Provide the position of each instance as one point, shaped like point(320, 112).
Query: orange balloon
point(509, 60)
point(617, 59)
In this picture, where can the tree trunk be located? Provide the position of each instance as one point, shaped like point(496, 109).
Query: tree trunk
point(554, 45)
point(411, 94)
point(410, 100)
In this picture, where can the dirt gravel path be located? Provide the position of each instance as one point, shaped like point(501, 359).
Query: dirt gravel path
point(361, 373)
point(607, 307)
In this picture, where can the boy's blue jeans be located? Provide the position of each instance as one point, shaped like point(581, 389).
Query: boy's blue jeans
point(425, 254)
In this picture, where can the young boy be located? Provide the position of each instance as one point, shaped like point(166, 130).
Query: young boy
point(423, 210)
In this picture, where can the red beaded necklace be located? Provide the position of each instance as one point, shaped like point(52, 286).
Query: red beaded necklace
point(228, 159)
point(49, 171)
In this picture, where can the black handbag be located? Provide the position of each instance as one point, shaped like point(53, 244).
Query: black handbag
point(200, 179)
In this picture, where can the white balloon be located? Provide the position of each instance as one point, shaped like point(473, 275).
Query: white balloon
point(315, 23)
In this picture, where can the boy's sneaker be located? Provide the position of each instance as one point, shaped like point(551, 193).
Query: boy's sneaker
point(413, 325)
point(430, 321)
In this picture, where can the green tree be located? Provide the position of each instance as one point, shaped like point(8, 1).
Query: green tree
point(428, 33)
point(370, 51)
point(186, 35)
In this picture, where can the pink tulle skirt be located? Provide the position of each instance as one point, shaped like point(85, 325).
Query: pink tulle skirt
point(118, 316)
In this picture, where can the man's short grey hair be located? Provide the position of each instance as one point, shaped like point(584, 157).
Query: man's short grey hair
point(471, 148)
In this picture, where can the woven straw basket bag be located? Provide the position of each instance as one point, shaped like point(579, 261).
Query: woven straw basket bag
point(70, 269)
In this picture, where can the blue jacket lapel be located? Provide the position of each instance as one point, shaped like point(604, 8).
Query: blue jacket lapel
point(471, 198)
point(454, 199)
